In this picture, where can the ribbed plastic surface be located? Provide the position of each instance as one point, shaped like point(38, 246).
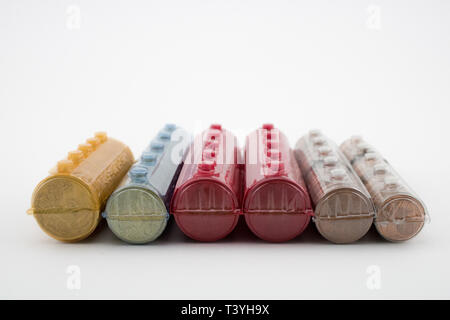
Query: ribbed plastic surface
point(343, 208)
point(400, 213)
point(137, 212)
point(207, 198)
point(276, 202)
point(67, 204)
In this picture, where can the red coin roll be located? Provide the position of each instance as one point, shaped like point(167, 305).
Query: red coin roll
point(207, 197)
point(276, 202)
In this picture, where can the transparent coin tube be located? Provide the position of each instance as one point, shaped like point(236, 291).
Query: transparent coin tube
point(400, 213)
point(138, 210)
point(343, 208)
point(67, 204)
point(276, 202)
point(207, 198)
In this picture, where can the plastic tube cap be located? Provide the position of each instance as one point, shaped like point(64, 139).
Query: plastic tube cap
point(356, 139)
point(206, 166)
point(324, 150)
point(216, 126)
point(164, 136)
point(65, 166)
point(274, 154)
point(337, 174)
point(213, 134)
point(391, 182)
point(76, 156)
point(268, 126)
point(85, 148)
point(209, 154)
point(276, 165)
point(148, 158)
point(363, 148)
point(315, 133)
point(138, 174)
point(101, 136)
point(379, 169)
point(273, 144)
point(94, 142)
point(330, 161)
point(370, 156)
point(170, 127)
point(318, 141)
point(157, 146)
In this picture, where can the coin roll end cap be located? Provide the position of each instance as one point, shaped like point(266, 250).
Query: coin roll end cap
point(285, 217)
point(136, 225)
point(400, 218)
point(277, 227)
point(217, 220)
point(65, 208)
point(346, 228)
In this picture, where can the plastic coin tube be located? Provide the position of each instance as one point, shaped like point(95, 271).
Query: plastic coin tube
point(343, 208)
point(207, 198)
point(67, 204)
point(276, 202)
point(400, 213)
point(138, 210)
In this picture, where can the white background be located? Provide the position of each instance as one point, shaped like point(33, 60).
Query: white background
point(128, 67)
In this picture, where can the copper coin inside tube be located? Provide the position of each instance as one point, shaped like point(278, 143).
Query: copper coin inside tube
point(400, 213)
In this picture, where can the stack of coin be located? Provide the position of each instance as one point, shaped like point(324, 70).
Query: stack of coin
point(400, 213)
point(138, 211)
point(207, 197)
point(67, 204)
point(343, 208)
point(277, 207)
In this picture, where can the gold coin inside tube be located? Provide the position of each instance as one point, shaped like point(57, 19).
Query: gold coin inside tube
point(65, 208)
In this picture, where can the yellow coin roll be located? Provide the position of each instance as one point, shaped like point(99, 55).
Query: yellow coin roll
point(67, 204)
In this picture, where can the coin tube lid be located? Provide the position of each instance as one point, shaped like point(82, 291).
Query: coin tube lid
point(138, 210)
point(67, 203)
point(207, 198)
point(343, 208)
point(400, 213)
point(276, 203)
